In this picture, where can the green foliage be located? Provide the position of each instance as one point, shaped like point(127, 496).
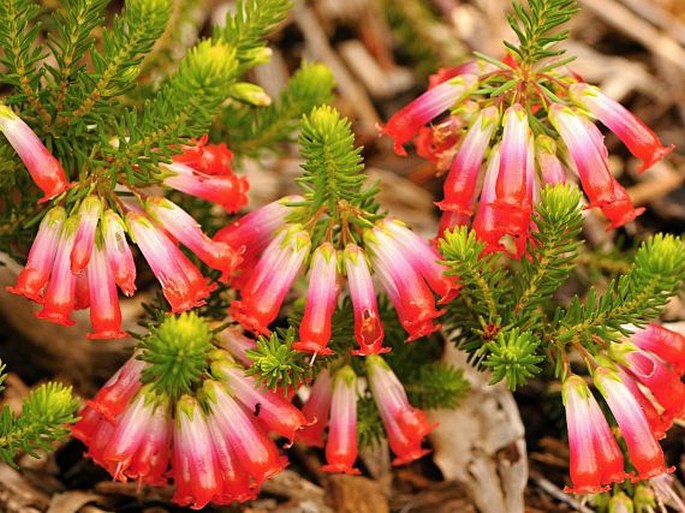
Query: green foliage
point(251, 131)
point(635, 297)
point(275, 364)
point(46, 411)
point(248, 25)
point(370, 430)
point(436, 385)
point(536, 28)
point(512, 355)
point(177, 351)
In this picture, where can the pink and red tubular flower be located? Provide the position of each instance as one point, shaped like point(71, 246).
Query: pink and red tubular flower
point(664, 343)
point(486, 223)
point(405, 124)
point(105, 313)
point(194, 467)
point(256, 452)
point(316, 409)
point(273, 410)
point(405, 426)
point(45, 170)
point(460, 185)
point(117, 393)
point(89, 214)
point(35, 275)
point(640, 140)
point(596, 460)
point(425, 259)
point(139, 446)
point(59, 299)
point(183, 285)
point(588, 153)
point(407, 290)
point(265, 289)
point(368, 328)
point(644, 451)
point(551, 169)
point(341, 447)
point(118, 252)
point(211, 159)
point(237, 344)
point(229, 191)
point(322, 297)
point(183, 227)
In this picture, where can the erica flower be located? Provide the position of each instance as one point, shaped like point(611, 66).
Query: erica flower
point(587, 150)
point(35, 275)
point(596, 460)
point(640, 140)
point(407, 290)
point(44, 168)
point(182, 284)
point(188, 232)
point(322, 297)
point(211, 159)
point(105, 313)
point(89, 215)
point(316, 409)
point(405, 426)
point(664, 343)
point(58, 302)
point(229, 191)
point(406, 123)
point(117, 393)
point(118, 252)
point(265, 289)
point(485, 224)
point(237, 344)
point(341, 448)
point(551, 170)
point(644, 451)
point(368, 329)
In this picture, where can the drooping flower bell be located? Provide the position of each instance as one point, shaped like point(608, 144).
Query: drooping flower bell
point(89, 215)
point(341, 447)
point(45, 170)
point(405, 426)
point(35, 275)
point(316, 409)
point(596, 460)
point(664, 343)
point(211, 159)
point(105, 313)
point(118, 252)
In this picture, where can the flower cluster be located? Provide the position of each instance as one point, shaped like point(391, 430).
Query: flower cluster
point(214, 443)
point(334, 397)
point(277, 250)
point(641, 383)
point(79, 258)
point(529, 124)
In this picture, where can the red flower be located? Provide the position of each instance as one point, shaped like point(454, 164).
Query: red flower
point(212, 159)
point(341, 447)
point(89, 214)
point(118, 252)
point(105, 313)
point(316, 409)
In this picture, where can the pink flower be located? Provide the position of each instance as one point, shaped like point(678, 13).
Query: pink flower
point(255, 451)
point(316, 410)
point(596, 460)
point(117, 393)
point(95, 432)
point(405, 425)
point(264, 291)
point(44, 168)
point(229, 191)
point(550, 166)
point(666, 344)
point(587, 150)
point(425, 259)
point(105, 313)
point(82, 292)
point(657, 423)
point(406, 123)
point(139, 446)
point(183, 285)
point(35, 275)
point(644, 451)
point(341, 448)
point(640, 140)
point(237, 344)
point(322, 298)
point(486, 224)
point(118, 252)
point(270, 408)
point(188, 232)
point(460, 185)
point(407, 290)
point(368, 329)
point(89, 214)
point(58, 302)
point(194, 467)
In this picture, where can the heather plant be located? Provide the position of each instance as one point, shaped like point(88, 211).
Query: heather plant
point(319, 293)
